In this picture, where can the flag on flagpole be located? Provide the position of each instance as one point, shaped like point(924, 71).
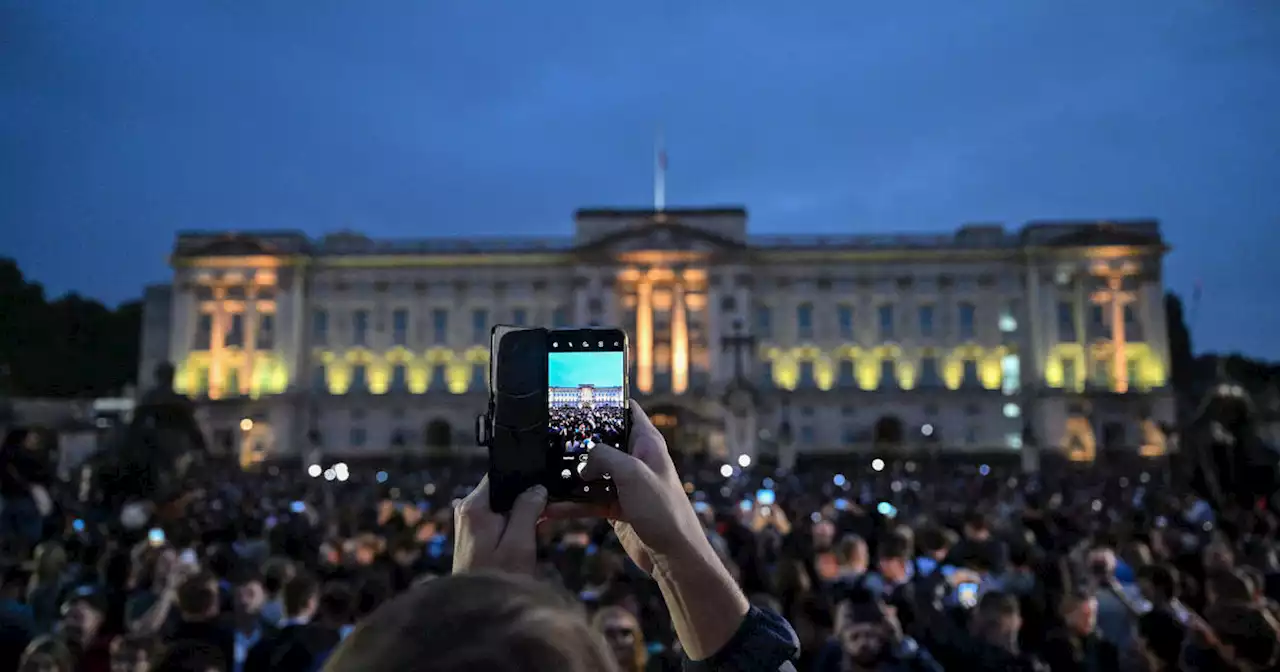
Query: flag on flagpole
point(662, 159)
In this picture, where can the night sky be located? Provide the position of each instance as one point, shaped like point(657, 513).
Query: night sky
point(122, 122)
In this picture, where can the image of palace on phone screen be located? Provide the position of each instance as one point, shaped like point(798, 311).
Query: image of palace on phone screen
point(587, 399)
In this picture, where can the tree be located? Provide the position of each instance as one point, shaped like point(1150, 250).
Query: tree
point(1182, 361)
point(69, 347)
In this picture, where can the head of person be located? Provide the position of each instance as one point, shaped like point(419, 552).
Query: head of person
point(198, 598)
point(275, 573)
point(1080, 612)
point(337, 605)
point(851, 553)
point(83, 613)
point(622, 631)
point(1158, 583)
point(132, 653)
point(998, 619)
point(976, 528)
point(1249, 635)
point(465, 622)
point(249, 594)
point(1102, 563)
point(301, 597)
point(47, 654)
point(933, 542)
point(862, 627)
point(1218, 557)
point(1158, 638)
point(893, 554)
point(1227, 586)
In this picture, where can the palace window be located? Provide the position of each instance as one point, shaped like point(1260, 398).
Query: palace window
point(885, 313)
point(400, 327)
point(235, 334)
point(399, 378)
point(440, 326)
point(519, 316)
point(319, 378)
point(1066, 323)
point(804, 320)
point(560, 317)
point(265, 339)
point(847, 377)
point(480, 325)
point(807, 380)
point(888, 374)
point(359, 378)
point(360, 327)
point(204, 332)
point(926, 321)
point(764, 322)
point(320, 327)
point(970, 377)
point(844, 316)
point(929, 376)
point(968, 317)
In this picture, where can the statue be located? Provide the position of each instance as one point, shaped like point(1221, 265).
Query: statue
point(1227, 462)
point(155, 452)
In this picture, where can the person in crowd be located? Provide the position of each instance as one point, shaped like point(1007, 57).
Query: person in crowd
point(852, 560)
point(276, 572)
point(626, 641)
point(868, 638)
point(247, 624)
point(17, 621)
point(133, 653)
point(48, 582)
point(1078, 646)
point(26, 470)
point(200, 616)
point(1158, 637)
point(300, 643)
point(1115, 609)
point(47, 654)
point(84, 613)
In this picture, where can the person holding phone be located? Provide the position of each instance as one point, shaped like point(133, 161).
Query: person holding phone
point(468, 617)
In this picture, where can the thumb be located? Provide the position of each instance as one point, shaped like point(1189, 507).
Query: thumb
point(527, 509)
point(604, 459)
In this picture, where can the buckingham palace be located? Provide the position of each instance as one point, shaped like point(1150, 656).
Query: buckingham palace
point(1045, 337)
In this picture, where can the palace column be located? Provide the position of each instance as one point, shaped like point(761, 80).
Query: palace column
point(217, 343)
point(679, 339)
point(644, 335)
point(1115, 297)
point(250, 319)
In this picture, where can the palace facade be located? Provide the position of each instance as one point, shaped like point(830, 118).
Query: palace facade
point(1048, 337)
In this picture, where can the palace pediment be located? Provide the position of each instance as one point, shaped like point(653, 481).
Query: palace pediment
point(661, 236)
point(1103, 235)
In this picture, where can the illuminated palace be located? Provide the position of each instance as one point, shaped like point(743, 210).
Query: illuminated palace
point(584, 396)
point(1049, 336)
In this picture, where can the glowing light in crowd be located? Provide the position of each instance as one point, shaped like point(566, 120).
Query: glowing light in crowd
point(381, 477)
point(839, 480)
point(246, 424)
point(329, 475)
point(726, 471)
point(340, 470)
point(984, 470)
point(877, 464)
point(744, 461)
point(314, 471)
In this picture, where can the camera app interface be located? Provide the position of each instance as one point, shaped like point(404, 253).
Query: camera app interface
point(587, 400)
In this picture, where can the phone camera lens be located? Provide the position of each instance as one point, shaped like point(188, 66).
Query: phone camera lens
point(555, 344)
point(585, 344)
point(600, 344)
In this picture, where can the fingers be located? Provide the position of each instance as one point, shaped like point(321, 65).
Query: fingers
point(475, 506)
point(525, 512)
point(604, 459)
point(640, 422)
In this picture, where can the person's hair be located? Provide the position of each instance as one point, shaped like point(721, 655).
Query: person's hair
point(128, 645)
point(931, 539)
point(275, 571)
point(337, 602)
point(848, 545)
point(197, 596)
point(640, 655)
point(51, 559)
point(298, 592)
point(996, 604)
point(893, 546)
point(976, 521)
point(1252, 633)
point(246, 574)
point(45, 651)
point(1229, 587)
point(467, 622)
point(189, 656)
point(1162, 635)
point(1163, 579)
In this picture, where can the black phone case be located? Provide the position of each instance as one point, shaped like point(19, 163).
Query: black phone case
point(517, 418)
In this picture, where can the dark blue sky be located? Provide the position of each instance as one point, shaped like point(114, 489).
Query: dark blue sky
point(123, 121)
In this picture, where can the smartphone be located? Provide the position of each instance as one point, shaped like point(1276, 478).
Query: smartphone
point(887, 510)
point(701, 507)
point(842, 504)
point(155, 536)
point(77, 525)
point(967, 595)
point(297, 506)
point(765, 497)
point(188, 557)
point(586, 406)
point(745, 505)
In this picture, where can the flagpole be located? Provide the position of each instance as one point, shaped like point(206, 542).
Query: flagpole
point(659, 174)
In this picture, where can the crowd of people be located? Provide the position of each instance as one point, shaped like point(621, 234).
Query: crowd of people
point(582, 427)
point(903, 567)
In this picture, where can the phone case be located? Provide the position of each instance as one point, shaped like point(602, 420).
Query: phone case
point(517, 418)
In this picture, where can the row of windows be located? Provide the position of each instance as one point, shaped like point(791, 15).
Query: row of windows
point(438, 329)
point(263, 335)
point(1095, 322)
point(929, 374)
point(889, 322)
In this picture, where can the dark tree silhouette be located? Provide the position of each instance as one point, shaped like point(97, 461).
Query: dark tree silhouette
point(69, 347)
point(1182, 361)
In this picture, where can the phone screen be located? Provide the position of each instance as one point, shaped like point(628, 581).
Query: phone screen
point(587, 402)
point(765, 497)
point(967, 595)
point(155, 536)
